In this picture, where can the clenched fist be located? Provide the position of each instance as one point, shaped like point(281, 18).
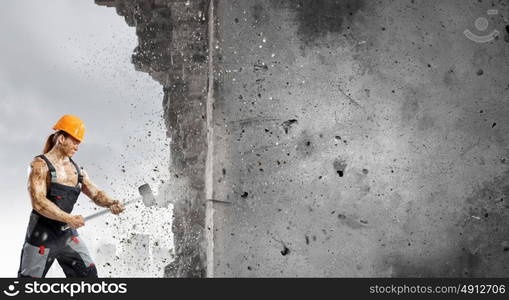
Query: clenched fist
point(76, 222)
point(116, 207)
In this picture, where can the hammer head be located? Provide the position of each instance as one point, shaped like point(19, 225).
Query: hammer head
point(147, 196)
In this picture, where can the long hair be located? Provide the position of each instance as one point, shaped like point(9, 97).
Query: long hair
point(51, 141)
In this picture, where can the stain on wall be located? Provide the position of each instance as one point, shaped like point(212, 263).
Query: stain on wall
point(316, 19)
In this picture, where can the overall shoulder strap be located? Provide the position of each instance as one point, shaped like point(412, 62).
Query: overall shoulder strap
point(80, 176)
point(51, 168)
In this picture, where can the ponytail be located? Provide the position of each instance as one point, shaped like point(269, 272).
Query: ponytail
point(50, 143)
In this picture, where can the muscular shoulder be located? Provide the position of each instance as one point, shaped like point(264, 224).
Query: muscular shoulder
point(39, 166)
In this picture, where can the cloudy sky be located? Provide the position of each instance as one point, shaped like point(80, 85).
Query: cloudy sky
point(73, 57)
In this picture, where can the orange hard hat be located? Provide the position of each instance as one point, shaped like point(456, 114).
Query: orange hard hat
point(72, 125)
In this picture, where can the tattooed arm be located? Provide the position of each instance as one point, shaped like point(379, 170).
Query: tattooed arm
point(99, 197)
point(37, 188)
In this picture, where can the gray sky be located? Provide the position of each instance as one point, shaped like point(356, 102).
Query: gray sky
point(73, 57)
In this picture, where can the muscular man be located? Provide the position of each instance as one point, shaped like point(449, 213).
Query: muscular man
point(54, 184)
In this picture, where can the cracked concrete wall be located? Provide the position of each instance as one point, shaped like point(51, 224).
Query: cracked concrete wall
point(360, 138)
point(172, 48)
point(350, 138)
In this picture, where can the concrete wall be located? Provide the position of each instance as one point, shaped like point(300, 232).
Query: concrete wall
point(360, 138)
point(345, 138)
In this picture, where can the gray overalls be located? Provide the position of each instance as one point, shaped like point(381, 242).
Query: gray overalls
point(45, 240)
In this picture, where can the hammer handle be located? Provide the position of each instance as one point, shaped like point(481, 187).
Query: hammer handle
point(99, 213)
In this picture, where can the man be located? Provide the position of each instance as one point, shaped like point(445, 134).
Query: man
point(54, 184)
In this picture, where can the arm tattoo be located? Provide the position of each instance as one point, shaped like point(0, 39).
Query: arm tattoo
point(37, 190)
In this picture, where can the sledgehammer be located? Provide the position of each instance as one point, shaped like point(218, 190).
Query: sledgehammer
point(147, 198)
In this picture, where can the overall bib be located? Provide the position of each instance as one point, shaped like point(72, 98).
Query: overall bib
point(45, 240)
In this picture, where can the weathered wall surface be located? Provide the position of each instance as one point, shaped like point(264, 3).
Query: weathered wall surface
point(360, 138)
point(350, 138)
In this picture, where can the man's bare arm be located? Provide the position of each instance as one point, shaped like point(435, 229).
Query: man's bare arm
point(37, 188)
point(100, 197)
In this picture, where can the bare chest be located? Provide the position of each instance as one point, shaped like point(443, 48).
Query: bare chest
point(66, 174)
